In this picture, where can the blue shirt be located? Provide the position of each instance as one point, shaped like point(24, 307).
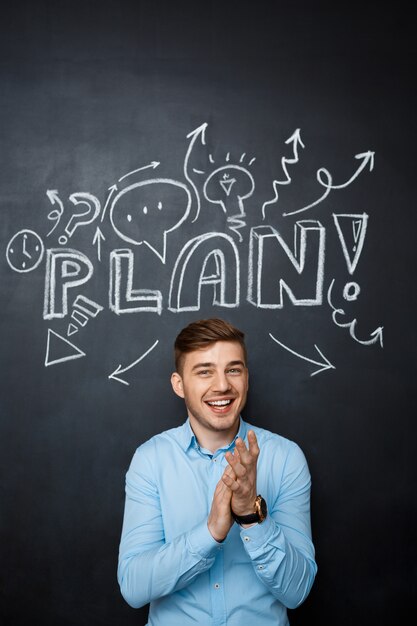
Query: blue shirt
point(168, 557)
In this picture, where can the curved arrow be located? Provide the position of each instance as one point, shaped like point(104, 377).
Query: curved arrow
point(367, 157)
point(323, 366)
point(377, 334)
point(56, 214)
point(122, 370)
point(199, 132)
point(153, 164)
point(112, 189)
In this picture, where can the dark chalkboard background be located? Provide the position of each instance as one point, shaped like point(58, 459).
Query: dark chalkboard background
point(90, 92)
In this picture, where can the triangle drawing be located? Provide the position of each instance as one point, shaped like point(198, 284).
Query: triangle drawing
point(59, 349)
point(227, 185)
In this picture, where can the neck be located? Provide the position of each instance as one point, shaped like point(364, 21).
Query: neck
point(213, 439)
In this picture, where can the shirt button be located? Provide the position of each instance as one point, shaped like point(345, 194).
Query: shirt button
point(246, 538)
point(216, 586)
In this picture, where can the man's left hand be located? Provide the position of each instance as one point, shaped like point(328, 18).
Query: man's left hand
point(243, 462)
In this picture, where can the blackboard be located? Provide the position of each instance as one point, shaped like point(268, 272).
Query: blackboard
point(162, 162)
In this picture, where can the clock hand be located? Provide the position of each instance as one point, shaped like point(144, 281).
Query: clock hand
point(25, 252)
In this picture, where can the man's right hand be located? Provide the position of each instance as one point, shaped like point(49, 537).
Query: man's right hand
point(220, 519)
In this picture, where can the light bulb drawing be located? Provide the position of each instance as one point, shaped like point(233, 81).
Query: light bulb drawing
point(229, 186)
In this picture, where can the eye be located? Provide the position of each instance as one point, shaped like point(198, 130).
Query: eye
point(234, 371)
point(203, 372)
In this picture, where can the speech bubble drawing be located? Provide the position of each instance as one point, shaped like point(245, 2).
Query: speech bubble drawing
point(145, 212)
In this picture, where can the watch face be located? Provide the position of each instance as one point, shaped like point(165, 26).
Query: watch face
point(24, 251)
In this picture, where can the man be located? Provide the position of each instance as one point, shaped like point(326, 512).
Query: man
point(217, 518)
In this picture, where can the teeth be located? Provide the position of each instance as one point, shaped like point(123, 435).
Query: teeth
point(219, 402)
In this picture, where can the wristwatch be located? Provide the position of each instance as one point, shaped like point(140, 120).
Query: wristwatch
point(258, 516)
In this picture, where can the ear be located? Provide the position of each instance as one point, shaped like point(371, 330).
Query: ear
point(176, 382)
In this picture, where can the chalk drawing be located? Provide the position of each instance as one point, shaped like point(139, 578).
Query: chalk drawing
point(224, 277)
point(112, 190)
point(296, 141)
point(323, 365)
point(66, 269)
point(25, 251)
point(136, 210)
point(121, 370)
point(60, 350)
point(80, 217)
point(123, 298)
point(84, 304)
point(194, 135)
point(268, 249)
point(284, 266)
point(375, 337)
point(80, 318)
point(72, 329)
point(229, 186)
point(85, 309)
point(98, 238)
point(351, 291)
point(351, 229)
point(56, 214)
point(327, 182)
point(152, 165)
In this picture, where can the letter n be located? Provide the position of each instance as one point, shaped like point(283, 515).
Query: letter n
point(273, 266)
point(210, 259)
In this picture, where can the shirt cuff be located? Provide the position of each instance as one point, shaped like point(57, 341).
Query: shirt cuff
point(255, 537)
point(200, 541)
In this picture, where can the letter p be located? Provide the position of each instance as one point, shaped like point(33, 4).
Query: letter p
point(65, 269)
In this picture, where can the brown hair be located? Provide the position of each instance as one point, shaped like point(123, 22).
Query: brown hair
point(202, 334)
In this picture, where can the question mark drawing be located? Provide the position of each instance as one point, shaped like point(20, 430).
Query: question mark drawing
point(81, 217)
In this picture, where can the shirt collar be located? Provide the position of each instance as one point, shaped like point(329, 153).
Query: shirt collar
point(186, 437)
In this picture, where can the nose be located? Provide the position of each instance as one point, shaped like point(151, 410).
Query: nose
point(221, 382)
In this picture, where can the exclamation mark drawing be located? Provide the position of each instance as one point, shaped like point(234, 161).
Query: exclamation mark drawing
point(351, 229)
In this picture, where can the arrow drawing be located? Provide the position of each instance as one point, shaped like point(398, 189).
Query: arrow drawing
point(56, 214)
point(198, 133)
point(323, 365)
point(376, 335)
point(153, 164)
point(296, 141)
point(122, 370)
point(112, 189)
point(98, 238)
point(367, 158)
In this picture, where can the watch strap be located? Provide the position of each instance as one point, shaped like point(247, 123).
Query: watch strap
point(256, 517)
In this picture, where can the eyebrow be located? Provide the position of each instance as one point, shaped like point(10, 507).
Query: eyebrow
point(198, 365)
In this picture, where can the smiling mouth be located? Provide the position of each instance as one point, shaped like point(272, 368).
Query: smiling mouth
point(220, 406)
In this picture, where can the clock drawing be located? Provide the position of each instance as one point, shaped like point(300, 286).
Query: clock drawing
point(24, 251)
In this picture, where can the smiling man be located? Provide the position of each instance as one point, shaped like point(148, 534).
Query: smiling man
point(216, 527)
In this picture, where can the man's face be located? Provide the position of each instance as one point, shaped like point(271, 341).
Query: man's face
point(214, 385)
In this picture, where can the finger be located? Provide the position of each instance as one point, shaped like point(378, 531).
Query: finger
point(244, 454)
point(238, 468)
point(253, 444)
point(230, 483)
point(229, 471)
